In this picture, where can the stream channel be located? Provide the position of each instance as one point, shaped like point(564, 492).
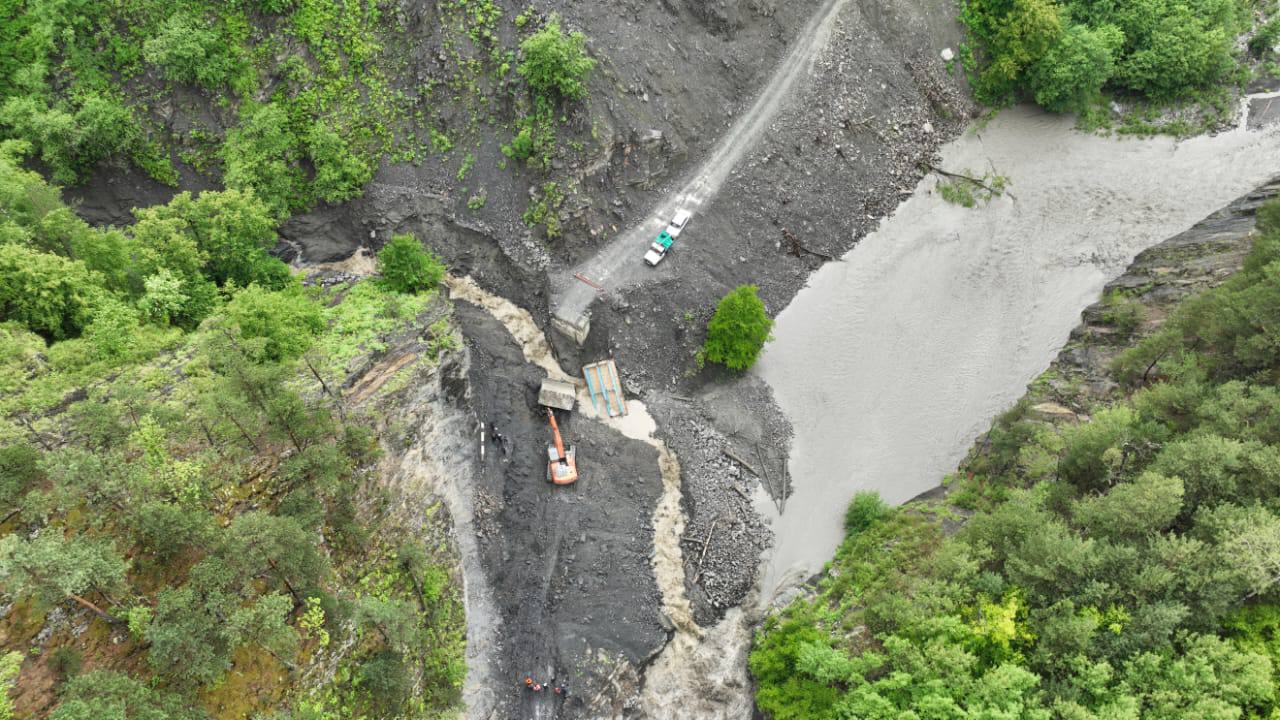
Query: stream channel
point(892, 361)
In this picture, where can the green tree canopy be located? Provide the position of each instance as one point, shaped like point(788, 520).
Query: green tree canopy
point(49, 294)
point(69, 139)
point(56, 568)
point(198, 626)
point(191, 49)
point(261, 155)
point(340, 174)
point(106, 694)
point(739, 329)
point(1064, 52)
point(1071, 73)
point(280, 325)
point(222, 235)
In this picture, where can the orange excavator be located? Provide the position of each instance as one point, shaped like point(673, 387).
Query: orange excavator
point(562, 468)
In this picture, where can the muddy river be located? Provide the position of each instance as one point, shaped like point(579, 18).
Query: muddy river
point(891, 362)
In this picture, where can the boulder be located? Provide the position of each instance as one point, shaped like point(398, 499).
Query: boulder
point(1052, 412)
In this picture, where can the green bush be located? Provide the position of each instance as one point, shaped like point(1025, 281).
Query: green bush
point(535, 138)
point(865, 509)
point(167, 529)
point(386, 680)
point(1071, 74)
point(1189, 46)
point(407, 267)
point(106, 129)
point(1124, 313)
point(66, 661)
point(739, 329)
point(785, 693)
point(555, 64)
point(19, 472)
point(340, 173)
point(108, 694)
point(223, 236)
point(283, 323)
point(70, 143)
point(192, 50)
point(521, 146)
point(544, 209)
point(1267, 37)
point(1014, 35)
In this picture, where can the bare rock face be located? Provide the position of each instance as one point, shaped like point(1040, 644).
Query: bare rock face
point(1158, 279)
point(324, 235)
point(1052, 412)
point(1263, 112)
point(721, 17)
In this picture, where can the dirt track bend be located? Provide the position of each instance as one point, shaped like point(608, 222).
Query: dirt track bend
point(620, 262)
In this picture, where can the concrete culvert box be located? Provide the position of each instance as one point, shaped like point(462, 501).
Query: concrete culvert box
point(557, 394)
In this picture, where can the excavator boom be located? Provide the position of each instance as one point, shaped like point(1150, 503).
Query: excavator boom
point(555, 431)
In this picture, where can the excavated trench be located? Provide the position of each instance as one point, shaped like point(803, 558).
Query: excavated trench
point(589, 578)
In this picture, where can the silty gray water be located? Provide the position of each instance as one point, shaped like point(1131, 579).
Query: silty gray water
point(890, 363)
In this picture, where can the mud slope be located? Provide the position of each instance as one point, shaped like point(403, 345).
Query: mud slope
point(568, 566)
point(847, 143)
point(614, 265)
point(672, 76)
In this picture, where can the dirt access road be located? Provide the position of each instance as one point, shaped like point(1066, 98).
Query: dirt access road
point(620, 264)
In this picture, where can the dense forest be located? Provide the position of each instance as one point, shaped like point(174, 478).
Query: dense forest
point(190, 504)
point(1076, 55)
point(1127, 566)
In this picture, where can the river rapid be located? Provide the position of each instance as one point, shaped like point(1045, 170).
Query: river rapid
point(891, 362)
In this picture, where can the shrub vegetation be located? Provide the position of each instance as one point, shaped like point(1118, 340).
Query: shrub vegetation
point(301, 86)
point(555, 63)
point(407, 267)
